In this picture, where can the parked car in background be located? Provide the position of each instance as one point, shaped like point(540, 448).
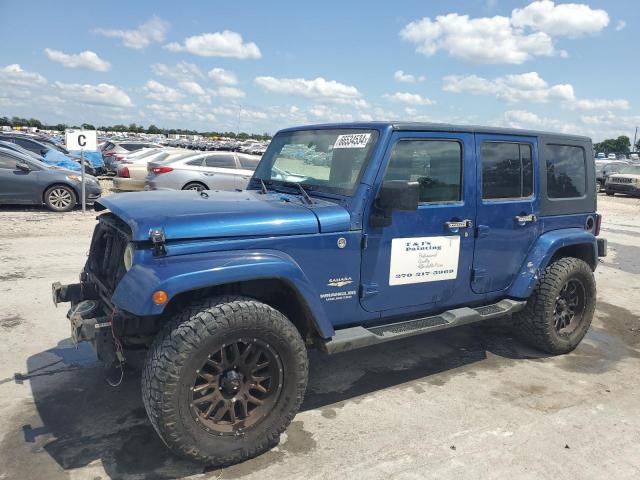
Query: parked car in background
point(604, 168)
point(626, 181)
point(634, 157)
point(131, 174)
point(206, 171)
point(601, 156)
point(27, 181)
point(51, 155)
point(117, 150)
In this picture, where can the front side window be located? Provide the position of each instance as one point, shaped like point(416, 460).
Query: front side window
point(435, 164)
point(566, 171)
point(324, 160)
point(7, 162)
point(507, 170)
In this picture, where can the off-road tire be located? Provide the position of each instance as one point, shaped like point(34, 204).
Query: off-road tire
point(196, 331)
point(60, 198)
point(535, 323)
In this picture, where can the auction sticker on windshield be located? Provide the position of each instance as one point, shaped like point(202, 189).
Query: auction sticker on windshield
point(353, 140)
point(423, 259)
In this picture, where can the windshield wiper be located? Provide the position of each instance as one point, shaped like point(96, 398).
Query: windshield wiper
point(303, 192)
point(263, 187)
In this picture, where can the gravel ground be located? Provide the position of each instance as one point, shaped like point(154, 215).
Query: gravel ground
point(465, 403)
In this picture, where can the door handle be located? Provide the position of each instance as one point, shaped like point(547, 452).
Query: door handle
point(522, 219)
point(454, 226)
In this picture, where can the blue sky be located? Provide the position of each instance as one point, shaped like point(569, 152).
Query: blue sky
point(261, 66)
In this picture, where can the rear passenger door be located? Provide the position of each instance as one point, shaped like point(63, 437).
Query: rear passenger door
point(220, 171)
point(508, 208)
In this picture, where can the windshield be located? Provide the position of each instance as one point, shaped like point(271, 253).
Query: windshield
point(632, 170)
point(324, 160)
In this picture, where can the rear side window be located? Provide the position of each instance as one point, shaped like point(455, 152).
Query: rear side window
point(566, 171)
point(435, 164)
point(248, 163)
point(195, 163)
point(507, 170)
point(221, 161)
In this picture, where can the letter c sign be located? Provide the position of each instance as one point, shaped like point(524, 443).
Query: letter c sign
point(82, 140)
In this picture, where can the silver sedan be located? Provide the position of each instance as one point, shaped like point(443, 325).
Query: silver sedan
point(206, 171)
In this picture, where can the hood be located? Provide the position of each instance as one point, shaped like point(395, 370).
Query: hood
point(190, 215)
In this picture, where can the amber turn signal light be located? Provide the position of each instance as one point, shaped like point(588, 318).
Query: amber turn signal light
point(160, 297)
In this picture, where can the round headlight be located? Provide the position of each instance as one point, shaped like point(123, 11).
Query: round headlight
point(128, 256)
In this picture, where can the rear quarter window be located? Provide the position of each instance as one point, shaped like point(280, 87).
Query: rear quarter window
point(566, 171)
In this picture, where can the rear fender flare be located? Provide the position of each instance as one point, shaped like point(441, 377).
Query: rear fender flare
point(183, 273)
point(541, 254)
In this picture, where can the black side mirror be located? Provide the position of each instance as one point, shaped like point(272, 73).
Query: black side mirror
point(395, 195)
point(43, 151)
point(23, 166)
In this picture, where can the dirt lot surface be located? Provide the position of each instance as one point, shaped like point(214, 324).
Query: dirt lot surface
point(466, 403)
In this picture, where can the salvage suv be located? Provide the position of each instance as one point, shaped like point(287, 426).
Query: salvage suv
point(406, 228)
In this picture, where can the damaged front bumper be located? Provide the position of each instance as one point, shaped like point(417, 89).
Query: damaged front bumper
point(91, 318)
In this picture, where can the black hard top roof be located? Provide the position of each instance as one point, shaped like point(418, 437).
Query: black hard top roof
point(446, 127)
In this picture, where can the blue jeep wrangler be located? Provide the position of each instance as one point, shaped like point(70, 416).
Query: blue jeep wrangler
point(348, 235)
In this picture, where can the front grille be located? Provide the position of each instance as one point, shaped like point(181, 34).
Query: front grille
point(621, 180)
point(106, 255)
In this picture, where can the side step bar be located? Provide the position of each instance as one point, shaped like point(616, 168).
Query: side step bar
point(358, 337)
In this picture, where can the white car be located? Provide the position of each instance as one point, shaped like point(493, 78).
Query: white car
point(131, 175)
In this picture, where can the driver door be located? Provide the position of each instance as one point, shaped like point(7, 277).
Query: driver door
point(424, 257)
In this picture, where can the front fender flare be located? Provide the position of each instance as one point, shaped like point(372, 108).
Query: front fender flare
point(182, 273)
point(541, 254)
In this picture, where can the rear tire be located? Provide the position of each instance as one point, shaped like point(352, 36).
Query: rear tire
point(197, 186)
point(201, 384)
point(555, 320)
point(60, 198)
point(610, 194)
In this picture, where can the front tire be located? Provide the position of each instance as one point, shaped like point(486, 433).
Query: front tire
point(224, 379)
point(559, 312)
point(60, 198)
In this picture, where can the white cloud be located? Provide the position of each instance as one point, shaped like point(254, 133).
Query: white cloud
point(400, 76)
point(510, 88)
point(620, 25)
point(480, 40)
point(182, 71)
point(527, 87)
point(222, 76)
point(317, 89)
point(567, 19)
point(229, 92)
point(601, 104)
point(526, 34)
point(219, 44)
point(526, 119)
point(408, 98)
point(86, 59)
point(152, 31)
point(161, 93)
point(101, 94)
point(192, 88)
point(14, 75)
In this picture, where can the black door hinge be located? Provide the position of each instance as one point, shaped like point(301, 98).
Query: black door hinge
point(364, 242)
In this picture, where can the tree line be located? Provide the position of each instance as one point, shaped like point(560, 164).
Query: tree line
point(622, 144)
point(132, 127)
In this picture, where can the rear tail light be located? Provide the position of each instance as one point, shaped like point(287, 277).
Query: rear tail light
point(159, 170)
point(123, 172)
point(108, 154)
point(119, 157)
point(596, 230)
